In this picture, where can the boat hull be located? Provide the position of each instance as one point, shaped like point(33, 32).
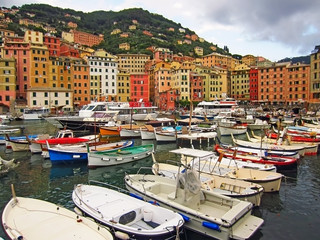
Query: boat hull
point(130, 133)
point(130, 154)
point(18, 146)
point(109, 131)
point(147, 135)
point(79, 153)
point(235, 130)
point(65, 157)
point(165, 137)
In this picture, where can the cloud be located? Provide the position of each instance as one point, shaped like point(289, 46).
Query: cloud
point(285, 21)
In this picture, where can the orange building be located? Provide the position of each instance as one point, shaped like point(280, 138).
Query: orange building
point(87, 39)
point(162, 80)
point(81, 71)
point(297, 79)
point(163, 54)
point(284, 83)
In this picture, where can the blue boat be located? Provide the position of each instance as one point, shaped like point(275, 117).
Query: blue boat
point(3, 138)
point(79, 152)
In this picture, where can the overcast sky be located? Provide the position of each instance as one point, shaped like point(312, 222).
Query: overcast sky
point(274, 29)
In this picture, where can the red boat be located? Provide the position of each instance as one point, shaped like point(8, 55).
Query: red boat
point(296, 138)
point(63, 137)
point(280, 162)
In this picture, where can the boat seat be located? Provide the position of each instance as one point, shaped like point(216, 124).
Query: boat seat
point(124, 152)
point(172, 195)
point(236, 212)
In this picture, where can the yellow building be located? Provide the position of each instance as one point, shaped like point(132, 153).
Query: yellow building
point(240, 83)
point(7, 84)
point(214, 81)
point(67, 36)
point(133, 63)
point(123, 86)
point(115, 31)
point(33, 37)
point(180, 74)
point(198, 51)
point(250, 60)
point(124, 46)
point(219, 60)
point(315, 75)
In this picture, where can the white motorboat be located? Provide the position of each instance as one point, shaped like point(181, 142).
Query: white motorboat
point(127, 215)
point(204, 211)
point(240, 189)
point(270, 181)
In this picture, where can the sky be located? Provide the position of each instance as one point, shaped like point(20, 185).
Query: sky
point(274, 29)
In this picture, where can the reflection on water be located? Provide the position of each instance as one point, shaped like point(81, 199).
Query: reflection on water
point(114, 175)
point(293, 213)
point(66, 170)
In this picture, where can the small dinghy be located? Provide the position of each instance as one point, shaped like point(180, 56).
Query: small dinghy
point(129, 217)
point(27, 218)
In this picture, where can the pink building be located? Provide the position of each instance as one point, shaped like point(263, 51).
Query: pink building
point(17, 48)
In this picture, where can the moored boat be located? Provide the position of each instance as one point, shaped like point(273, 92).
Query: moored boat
point(126, 215)
point(240, 189)
point(115, 157)
point(268, 146)
point(109, 130)
point(167, 134)
point(28, 218)
point(17, 145)
point(228, 130)
point(270, 181)
point(281, 162)
point(147, 132)
point(79, 152)
point(205, 212)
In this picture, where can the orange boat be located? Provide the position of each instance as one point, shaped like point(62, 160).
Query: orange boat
point(110, 131)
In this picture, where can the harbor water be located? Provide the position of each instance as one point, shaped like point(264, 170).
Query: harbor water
point(293, 213)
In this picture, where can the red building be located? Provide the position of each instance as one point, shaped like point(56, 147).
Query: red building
point(69, 51)
point(196, 87)
point(168, 100)
point(53, 44)
point(253, 84)
point(139, 87)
